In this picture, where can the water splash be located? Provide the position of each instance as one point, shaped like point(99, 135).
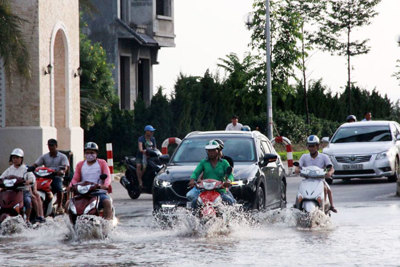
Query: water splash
point(88, 227)
point(13, 225)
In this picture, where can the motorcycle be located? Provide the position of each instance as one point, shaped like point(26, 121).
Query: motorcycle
point(155, 162)
point(311, 193)
point(85, 200)
point(11, 197)
point(44, 178)
point(209, 200)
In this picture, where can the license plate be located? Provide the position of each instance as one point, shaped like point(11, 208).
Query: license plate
point(353, 167)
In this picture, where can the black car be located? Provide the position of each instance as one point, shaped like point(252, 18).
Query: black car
point(258, 170)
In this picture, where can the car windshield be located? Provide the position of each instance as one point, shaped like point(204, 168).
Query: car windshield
point(240, 149)
point(378, 133)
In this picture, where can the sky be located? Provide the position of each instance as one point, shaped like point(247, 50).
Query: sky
point(210, 29)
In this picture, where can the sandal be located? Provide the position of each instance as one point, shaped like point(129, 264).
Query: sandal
point(332, 208)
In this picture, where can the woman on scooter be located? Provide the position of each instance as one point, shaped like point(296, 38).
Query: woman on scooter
point(146, 141)
point(20, 170)
point(90, 170)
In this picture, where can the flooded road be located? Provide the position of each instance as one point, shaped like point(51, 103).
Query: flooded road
point(363, 233)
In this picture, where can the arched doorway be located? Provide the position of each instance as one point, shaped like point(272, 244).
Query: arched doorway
point(60, 90)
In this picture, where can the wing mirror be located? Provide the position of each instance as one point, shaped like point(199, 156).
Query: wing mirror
point(103, 177)
point(296, 164)
point(398, 137)
point(268, 158)
point(164, 159)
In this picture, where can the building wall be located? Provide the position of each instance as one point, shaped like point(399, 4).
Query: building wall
point(44, 99)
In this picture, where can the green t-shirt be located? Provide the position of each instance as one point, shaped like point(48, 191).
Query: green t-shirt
point(209, 172)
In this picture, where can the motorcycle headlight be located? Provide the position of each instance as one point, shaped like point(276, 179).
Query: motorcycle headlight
point(90, 207)
point(83, 189)
point(209, 185)
point(162, 183)
point(72, 207)
point(382, 155)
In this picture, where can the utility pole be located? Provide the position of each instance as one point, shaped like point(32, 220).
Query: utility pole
point(268, 65)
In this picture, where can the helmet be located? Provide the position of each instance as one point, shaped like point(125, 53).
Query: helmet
point(92, 146)
point(312, 139)
point(221, 143)
point(246, 128)
point(17, 152)
point(149, 128)
point(212, 145)
point(351, 118)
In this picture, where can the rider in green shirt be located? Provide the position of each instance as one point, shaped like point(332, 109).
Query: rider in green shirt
point(213, 167)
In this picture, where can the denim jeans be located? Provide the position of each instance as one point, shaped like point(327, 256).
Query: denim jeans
point(194, 193)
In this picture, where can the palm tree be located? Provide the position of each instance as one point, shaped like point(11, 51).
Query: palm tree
point(13, 49)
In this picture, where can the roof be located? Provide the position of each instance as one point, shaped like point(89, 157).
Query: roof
point(366, 123)
point(141, 38)
point(223, 133)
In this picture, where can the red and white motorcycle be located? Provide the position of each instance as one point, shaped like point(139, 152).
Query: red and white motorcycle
point(11, 197)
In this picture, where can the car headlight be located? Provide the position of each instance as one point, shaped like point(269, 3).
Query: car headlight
point(162, 183)
point(382, 155)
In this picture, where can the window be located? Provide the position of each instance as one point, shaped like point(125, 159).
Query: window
point(377, 133)
point(163, 8)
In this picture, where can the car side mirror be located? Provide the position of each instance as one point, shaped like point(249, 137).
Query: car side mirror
point(325, 139)
point(398, 137)
point(296, 164)
point(268, 158)
point(103, 176)
point(164, 159)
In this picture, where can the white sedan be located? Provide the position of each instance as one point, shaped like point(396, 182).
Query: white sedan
point(365, 149)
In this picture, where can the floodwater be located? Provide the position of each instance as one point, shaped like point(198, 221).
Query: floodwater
point(359, 235)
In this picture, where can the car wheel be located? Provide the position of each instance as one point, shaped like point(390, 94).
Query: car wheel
point(283, 194)
point(259, 202)
point(396, 174)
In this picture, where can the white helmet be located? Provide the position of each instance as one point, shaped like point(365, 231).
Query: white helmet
point(17, 152)
point(212, 145)
point(312, 139)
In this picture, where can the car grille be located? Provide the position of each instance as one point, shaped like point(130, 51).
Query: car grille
point(353, 159)
point(354, 172)
point(180, 187)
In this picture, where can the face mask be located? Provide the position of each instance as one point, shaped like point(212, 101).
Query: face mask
point(90, 157)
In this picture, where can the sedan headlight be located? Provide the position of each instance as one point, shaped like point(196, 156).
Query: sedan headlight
point(382, 155)
point(162, 183)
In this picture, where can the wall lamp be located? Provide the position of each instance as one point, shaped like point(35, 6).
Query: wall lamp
point(78, 72)
point(48, 70)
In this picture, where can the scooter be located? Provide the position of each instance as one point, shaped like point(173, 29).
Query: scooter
point(85, 200)
point(44, 178)
point(11, 197)
point(311, 193)
point(209, 200)
point(155, 162)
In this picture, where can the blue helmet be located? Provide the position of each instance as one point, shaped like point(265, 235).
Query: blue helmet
point(246, 128)
point(149, 128)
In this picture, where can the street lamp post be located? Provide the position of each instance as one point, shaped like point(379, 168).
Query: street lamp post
point(268, 70)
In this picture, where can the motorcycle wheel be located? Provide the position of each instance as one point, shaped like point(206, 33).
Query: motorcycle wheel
point(134, 192)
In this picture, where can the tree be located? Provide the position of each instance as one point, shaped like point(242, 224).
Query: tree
point(13, 48)
point(285, 33)
point(96, 82)
point(343, 17)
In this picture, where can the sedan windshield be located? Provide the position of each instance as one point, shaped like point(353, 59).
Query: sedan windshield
point(193, 149)
point(378, 133)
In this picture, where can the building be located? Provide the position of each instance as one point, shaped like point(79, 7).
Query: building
point(48, 104)
point(132, 32)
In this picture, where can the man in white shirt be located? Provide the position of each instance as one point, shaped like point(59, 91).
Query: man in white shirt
point(234, 125)
point(320, 160)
